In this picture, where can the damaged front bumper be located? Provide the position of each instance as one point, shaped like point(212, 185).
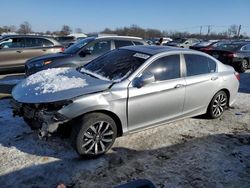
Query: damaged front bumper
point(46, 118)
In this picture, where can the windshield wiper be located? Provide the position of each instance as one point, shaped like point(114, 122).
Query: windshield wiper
point(85, 71)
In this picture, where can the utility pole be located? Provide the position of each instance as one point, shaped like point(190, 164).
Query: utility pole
point(200, 30)
point(239, 31)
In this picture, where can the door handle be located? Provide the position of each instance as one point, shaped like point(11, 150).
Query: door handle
point(179, 86)
point(19, 51)
point(44, 50)
point(214, 78)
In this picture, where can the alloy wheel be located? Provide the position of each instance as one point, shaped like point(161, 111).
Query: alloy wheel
point(219, 105)
point(98, 138)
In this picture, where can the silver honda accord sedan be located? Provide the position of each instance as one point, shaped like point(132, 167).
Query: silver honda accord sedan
point(122, 91)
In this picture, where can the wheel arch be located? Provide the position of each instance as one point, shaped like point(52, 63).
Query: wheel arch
point(227, 93)
point(110, 114)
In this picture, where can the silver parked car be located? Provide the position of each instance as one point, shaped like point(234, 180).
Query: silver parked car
point(125, 90)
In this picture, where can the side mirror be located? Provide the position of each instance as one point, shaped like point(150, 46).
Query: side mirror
point(85, 52)
point(145, 79)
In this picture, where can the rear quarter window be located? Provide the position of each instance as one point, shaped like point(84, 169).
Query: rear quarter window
point(121, 43)
point(138, 43)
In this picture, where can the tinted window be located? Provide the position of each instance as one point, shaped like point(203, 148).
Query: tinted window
point(247, 47)
point(138, 43)
point(33, 42)
point(13, 43)
point(197, 64)
point(78, 45)
point(165, 68)
point(117, 64)
point(211, 65)
point(99, 47)
point(229, 46)
point(121, 43)
point(46, 43)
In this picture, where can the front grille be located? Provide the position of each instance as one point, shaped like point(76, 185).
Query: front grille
point(15, 105)
point(28, 112)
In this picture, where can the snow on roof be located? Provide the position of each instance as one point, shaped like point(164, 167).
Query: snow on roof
point(54, 80)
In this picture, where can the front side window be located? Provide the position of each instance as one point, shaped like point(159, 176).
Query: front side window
point(76, 47)
point(99, 47)
point(115, 65)
point(13, 43)
point(198, 64)
point(165, 68)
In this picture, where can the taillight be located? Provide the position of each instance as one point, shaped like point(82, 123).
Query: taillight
point(207, 48)
point(237, 75)
point(231, 55)
point(62, 49)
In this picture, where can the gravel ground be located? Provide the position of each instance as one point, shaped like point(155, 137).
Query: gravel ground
point(194, 152)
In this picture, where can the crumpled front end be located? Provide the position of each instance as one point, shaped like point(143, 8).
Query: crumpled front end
point(42, 117)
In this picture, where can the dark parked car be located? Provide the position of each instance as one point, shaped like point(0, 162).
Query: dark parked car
point(183, 42)
point(204, 46)
point(65, 40)
point(236, 54)
point(81, 52)
point(15, 50)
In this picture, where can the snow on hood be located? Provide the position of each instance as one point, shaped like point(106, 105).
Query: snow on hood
point(55, 85)
point(54, 80)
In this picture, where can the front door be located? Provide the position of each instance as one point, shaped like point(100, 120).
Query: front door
point(161, 100)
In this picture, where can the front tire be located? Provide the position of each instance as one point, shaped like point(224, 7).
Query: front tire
point(217, 105)
point(94, 135)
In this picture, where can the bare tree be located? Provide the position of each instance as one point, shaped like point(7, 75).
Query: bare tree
point(232, 30)
point(25, 28)
point(78, 30)
point(66, 30)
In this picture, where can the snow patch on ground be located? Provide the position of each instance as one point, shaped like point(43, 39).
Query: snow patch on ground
point(54, 80)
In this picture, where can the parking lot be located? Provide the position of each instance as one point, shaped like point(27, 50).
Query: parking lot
point(194, 152)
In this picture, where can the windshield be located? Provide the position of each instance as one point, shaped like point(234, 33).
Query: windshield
point(116, 65)
point(229, 47)
point(78, 45)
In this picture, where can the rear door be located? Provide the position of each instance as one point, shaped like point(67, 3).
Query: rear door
point(202, 81)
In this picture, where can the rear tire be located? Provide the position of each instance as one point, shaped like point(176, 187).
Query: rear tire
point(93, 135)
point(243, 65)
point(217, 105)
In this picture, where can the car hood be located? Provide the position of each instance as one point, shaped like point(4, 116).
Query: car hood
point(56, 85)
point(50, 57)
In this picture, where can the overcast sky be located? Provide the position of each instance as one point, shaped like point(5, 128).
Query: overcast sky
point(95, 15)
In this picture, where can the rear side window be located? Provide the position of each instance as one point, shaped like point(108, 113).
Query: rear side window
point(138, 43)
point(121, 43)
point(37, 42)
point(33, 42)
point(197, 64)
point(165, 68)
